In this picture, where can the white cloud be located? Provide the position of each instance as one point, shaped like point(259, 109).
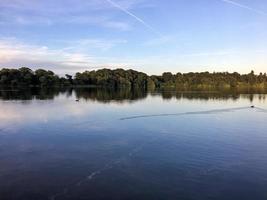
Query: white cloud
point(101, 21)
point(14, 53)
point(101, 44)
point(117, 25)
point(160, 41)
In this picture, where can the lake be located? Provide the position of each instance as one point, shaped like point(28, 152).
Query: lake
point(132, 145)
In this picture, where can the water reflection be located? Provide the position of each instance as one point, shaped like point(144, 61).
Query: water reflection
point(107, 95)
point(122, 95)
point(32, 93)
point(53, 147)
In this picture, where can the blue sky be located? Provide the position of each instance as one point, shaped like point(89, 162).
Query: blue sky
point(147, 35)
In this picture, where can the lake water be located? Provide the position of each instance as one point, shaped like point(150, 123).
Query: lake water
point(132, 145)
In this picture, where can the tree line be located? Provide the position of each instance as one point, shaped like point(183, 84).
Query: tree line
point(120, 78)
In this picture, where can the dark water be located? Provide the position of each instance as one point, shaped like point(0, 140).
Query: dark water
point(132, 145)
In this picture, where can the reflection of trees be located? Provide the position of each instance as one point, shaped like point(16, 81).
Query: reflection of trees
point(107, 95)
point(207, 95)
point(198, 95)
point(30, 93)
point(122, 95)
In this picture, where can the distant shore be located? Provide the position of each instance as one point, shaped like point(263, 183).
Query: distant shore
point(120, 78)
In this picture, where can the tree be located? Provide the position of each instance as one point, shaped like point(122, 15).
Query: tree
point(69, 78)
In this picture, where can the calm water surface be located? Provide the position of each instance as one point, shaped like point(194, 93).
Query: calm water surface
point(132, 145)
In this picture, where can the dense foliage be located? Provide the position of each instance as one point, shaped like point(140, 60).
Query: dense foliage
point(26, 77)
point(206, 80)
point(112, 78)
point(132, 79)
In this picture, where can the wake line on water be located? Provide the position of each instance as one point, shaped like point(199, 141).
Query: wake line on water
point(4, 130)
point(80, 182)
point(214, 111)
point(93, 174)
point(261, 109)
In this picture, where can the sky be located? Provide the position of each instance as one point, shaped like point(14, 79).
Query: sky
point(152, 36)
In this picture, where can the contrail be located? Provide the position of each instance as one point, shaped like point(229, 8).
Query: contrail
point(245, 7)
point(135, 17)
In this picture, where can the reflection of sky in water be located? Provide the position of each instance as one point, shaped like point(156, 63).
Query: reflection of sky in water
point(19, 112)
point(63, 149)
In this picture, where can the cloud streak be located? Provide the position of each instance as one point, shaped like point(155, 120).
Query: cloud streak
point(14, 53)
point(148, 26)
point(73, 58)
point(260, 12)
